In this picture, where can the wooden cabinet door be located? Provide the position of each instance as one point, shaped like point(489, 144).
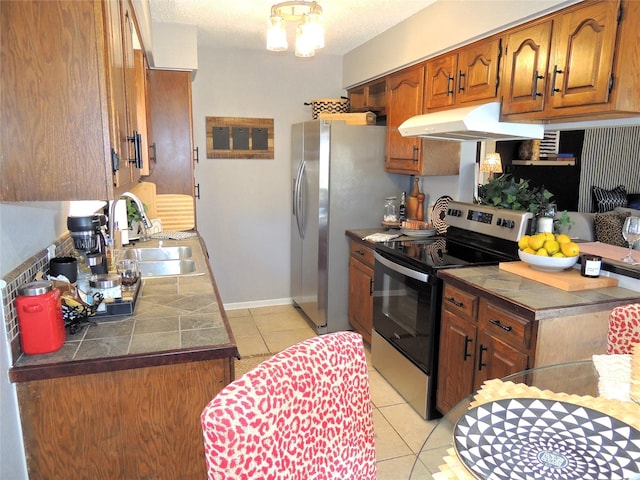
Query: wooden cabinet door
point(527, 56)
point(172, 131)
point(141, 108)
point(54, 133)
point(583, 45)
point(457, 359)
point(404, 100)
point(440, 82)
point(478, 71)
point(117, 95)
point(361, 298)
point(131, 106)
point(496, 359)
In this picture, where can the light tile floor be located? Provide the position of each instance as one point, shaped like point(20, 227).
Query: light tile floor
point(399, 430)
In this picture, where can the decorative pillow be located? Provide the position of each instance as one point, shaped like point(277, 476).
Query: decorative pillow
point(607, 200)
point(608, 228)
point(633, 201)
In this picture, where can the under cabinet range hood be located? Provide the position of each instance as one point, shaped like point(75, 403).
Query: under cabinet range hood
point(478, 123)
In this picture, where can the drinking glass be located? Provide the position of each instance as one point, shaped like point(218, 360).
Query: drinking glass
point(129, 274)
point(631, 233)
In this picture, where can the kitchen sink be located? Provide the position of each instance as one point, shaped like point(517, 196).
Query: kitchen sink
point(160, 268)
point(157, 253)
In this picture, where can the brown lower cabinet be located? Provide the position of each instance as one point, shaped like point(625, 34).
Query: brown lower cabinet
point(361, 264)
point(484, 336)
point(142, 423)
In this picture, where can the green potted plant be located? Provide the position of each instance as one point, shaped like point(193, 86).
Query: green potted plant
point(133, 215)
point(505, 192)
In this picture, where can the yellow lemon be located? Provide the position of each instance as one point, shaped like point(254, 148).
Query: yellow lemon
point(529, 250)
point(523, 242)
point(549, 236)
point(536, 241)
point(558, 255)
point(570, 249)
point(563, 238)
point(551, 246)
point(542, 252)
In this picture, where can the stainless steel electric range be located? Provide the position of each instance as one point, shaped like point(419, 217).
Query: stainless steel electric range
point(407, 293)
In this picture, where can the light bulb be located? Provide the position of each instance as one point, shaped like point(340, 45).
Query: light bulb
point(276, 34)
point(304, 44)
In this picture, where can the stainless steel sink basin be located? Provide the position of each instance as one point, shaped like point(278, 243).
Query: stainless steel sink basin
point(160, 268)
point(157, 253)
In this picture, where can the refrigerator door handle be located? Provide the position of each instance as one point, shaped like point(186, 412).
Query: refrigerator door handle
point(297, 200)
point(294, 191)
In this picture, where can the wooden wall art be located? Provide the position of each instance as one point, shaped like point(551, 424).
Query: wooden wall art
point(234, 137)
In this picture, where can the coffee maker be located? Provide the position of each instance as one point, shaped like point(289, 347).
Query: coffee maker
point(88, 234)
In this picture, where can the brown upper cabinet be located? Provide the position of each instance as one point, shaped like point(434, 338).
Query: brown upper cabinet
point(369, 97)
point(404, 100)
point(171, 124)
point(66, 118)
point(527, 58)
point(467, 76)
point(579, 62)
point(142, 99)
point(414, 156)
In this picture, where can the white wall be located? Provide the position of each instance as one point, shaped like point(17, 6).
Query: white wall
point(244, 210)
point(25, 229)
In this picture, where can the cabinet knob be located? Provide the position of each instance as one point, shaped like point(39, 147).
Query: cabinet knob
point(481, 364)
point(454, 301)
point(467, 341)
point(461, 75)
point(556, 71)
point(497, 323)
point(534, 91)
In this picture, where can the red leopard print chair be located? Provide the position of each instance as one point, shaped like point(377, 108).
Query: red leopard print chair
point(304, 414)
point(624, 329)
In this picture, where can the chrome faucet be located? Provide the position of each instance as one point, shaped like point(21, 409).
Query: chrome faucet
point(145, 220)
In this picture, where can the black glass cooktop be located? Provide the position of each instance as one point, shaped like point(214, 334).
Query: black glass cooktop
point(437, 252)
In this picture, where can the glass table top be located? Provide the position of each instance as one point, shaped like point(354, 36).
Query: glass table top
point(579, 378)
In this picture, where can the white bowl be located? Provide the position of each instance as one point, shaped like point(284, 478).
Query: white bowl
point(547, 264)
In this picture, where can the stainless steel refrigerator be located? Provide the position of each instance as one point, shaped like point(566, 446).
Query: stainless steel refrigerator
point(339, 183)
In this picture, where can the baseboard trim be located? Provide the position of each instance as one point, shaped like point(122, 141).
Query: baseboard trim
point(258, 303)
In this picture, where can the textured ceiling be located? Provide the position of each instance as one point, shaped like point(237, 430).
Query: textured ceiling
point(242, 23)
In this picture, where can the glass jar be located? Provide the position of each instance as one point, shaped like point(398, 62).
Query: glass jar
point(390, 210)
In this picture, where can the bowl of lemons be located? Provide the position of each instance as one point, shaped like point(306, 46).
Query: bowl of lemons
point(548, 252)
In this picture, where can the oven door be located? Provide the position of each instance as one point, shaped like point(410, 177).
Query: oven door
point(406, 303)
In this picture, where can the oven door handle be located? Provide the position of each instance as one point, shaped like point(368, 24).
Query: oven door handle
point(422, 277)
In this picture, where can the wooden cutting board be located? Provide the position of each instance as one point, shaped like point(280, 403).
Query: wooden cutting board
point(177, 212)
point(568, 280)
point(146, 192)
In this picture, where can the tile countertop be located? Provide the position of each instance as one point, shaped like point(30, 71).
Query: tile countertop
point(176, 319)
point(535, 300)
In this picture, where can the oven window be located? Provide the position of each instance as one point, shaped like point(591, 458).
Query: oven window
point(405, 314)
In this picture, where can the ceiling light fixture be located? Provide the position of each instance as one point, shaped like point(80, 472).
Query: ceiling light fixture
point(309, 31)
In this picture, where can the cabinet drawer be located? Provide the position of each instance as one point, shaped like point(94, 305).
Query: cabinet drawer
point(461, 303)
point(503, 324)
point(362, 253)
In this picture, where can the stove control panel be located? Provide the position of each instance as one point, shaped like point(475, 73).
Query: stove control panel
point(497, 222)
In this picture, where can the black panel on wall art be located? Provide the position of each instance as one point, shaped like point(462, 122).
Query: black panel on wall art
point(563, 182)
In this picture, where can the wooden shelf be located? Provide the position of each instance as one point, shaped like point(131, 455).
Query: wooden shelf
point(565, 162)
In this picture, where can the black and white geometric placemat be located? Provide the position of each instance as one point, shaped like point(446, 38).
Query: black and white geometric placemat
point(532, 438)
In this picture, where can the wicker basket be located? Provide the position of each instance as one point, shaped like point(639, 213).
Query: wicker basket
point(328, 105)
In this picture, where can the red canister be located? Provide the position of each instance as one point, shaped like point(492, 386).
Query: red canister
point(39, 309)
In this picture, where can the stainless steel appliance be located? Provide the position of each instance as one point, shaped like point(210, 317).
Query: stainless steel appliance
point(88, 234)
point(408, 295)
point(338, 184)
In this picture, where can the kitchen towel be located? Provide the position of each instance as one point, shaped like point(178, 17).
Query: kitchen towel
point(381, 237)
